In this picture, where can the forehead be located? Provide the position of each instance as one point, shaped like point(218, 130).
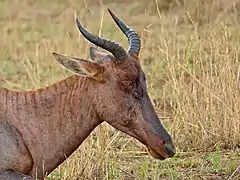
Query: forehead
point(130, 68)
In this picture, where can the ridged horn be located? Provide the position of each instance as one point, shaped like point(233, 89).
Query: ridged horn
point(133, 38)
point(117, 50)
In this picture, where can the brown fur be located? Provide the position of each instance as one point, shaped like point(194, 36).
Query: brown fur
point(49, 124)
point(40, 129)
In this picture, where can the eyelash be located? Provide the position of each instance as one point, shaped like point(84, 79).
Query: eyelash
point(126, 83)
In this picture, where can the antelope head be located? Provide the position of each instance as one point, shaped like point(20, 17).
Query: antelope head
point(121, 97)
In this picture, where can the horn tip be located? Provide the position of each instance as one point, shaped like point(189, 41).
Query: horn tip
point(77, 21)
point(111, 13)
point(80, 27)
point(76, 18)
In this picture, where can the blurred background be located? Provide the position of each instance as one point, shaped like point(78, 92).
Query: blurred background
point(190, 54)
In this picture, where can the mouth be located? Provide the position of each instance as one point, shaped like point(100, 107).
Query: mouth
point(155, 145)
point(156, 148)
point(157, 155)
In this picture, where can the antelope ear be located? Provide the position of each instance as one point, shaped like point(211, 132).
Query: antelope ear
point(81, 66)
point(95, 54)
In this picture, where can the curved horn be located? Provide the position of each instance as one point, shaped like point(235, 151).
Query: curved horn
point(133, 38)
point(110, 46)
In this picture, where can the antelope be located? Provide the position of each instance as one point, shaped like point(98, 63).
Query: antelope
point(39, 129)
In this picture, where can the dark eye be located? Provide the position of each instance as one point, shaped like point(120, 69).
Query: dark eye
point(126, 83)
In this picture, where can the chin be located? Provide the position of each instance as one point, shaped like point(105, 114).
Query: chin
point(156, 155)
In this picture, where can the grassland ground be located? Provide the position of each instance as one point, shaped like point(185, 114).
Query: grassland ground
point(190, 53)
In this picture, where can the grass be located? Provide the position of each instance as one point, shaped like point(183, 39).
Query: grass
point(190, 54)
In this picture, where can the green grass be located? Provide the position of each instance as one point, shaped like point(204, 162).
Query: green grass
point(194, 165)
point(190, 53)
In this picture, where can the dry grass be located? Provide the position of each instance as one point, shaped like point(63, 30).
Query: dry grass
point(191, 57)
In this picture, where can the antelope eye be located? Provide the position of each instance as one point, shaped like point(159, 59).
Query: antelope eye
point(126, 83)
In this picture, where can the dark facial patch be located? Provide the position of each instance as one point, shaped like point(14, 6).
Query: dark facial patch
point(138, 91)
point(129, 107)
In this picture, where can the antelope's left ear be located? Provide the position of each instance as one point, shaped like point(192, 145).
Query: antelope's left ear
point(81, 66)
point(95, 54)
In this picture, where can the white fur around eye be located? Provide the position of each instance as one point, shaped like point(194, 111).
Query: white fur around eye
point(126, 83)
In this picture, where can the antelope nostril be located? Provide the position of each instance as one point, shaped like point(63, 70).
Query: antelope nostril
point(170, 150)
